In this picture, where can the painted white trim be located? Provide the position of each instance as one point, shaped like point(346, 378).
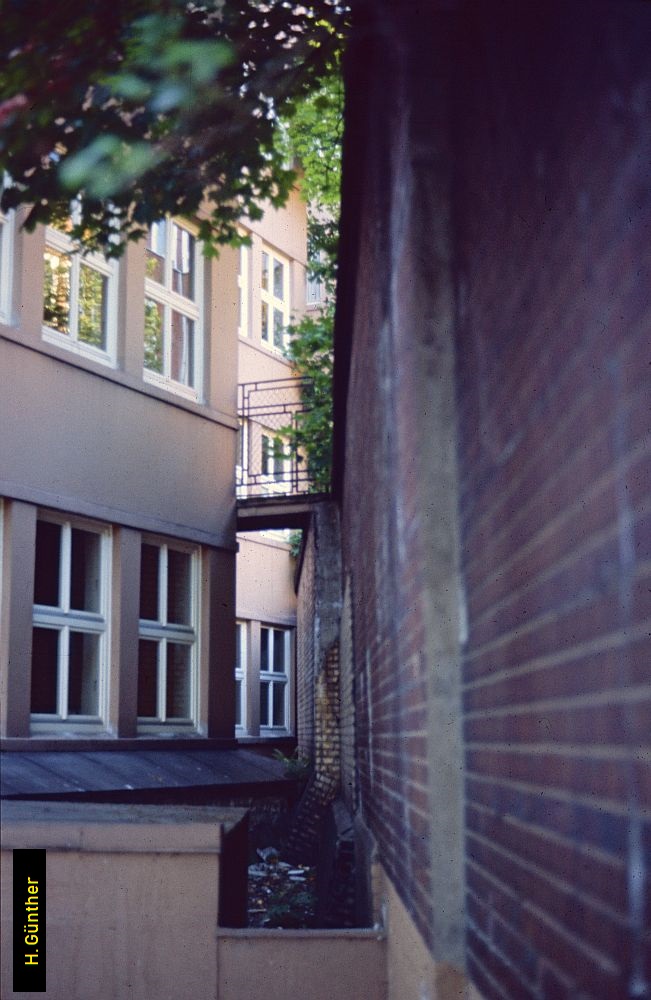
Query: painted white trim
point(61, 243)
point(7, 224)
point(162, 293)
point(274, 677)
point(272, 301)
point(162, 632)
point(63, 619)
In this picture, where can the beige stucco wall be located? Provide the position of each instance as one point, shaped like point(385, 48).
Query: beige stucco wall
point(132, 898)
point(319, 965)
point(412, 972)
point(265, 587)
point(77, 441)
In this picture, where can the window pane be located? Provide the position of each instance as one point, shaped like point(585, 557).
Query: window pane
point(177, 696)
point(154, 320)
point(279, 329)
point(47, 565)
point(278, 704)
point(278, 280)
point(182, 261)
point(147, 678)
point(149, 582)
point(85, 570)
point(179, 587)
point(56, 291)
point(265, 271)
point(265, 455)
point(45, 646)
point(182, 364)
point(83, 674)
point(264, 320)
point(92, 307)
point(264, 703)
point(155, 258)
point(264, 649)
point(238, 702)
point(278, 651)
point(238, 647)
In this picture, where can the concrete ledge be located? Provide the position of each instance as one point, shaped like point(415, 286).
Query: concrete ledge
point(274, 964)
point(133, 896)
point(115, 829)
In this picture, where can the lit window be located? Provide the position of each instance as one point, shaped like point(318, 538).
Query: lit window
point(314, 286)
point(274, 295)
point(243, 285)
point(274, 676)
point(6, 265)
point(69, 645)
point(79, 306)
point(240, 674)
point(167, 658)
point(172, 312)
point(275, 463)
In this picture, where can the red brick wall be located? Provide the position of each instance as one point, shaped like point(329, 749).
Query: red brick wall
point(553, 213)
point(386, 526)
point(305, 650)
point(547, 147)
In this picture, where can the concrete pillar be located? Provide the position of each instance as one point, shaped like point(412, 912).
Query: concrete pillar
point(125, 612)
point(19, 541)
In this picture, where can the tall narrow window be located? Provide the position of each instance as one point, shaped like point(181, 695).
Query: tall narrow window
point(167, 660)
point(6, 264)
point(79, 297)
point(275, 463)
point(274, 677)
point(69, 645)
point(240, 674)
point(243, 285)
point(172, 308)
point(274, 299)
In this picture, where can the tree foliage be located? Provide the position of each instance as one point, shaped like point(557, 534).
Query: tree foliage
point(314, 136)
point(149, 107)
point(145, 108)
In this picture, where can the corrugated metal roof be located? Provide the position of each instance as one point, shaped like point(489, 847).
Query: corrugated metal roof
point(45, 772)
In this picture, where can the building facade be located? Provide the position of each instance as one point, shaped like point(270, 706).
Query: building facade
point(272, 290)
point(117, 457)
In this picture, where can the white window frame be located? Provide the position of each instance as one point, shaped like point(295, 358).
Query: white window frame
point(7, 222)
point(65, 620)
point(272, 302)
point(163, 294)
point(241, 672)
point(162, 633)
point(314, 287)
point(279, 480)
point(61, 243)
point(244, 286)
point(274, 677)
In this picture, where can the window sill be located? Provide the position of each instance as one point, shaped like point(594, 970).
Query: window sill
point(78, 347)
point(169, 385)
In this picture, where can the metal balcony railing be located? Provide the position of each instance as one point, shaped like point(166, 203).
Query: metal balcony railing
point(269, 464)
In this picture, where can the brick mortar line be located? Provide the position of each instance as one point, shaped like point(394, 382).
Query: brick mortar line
point(615, 807)
point(575, 555)
point(534, 623)
point(610, 697)
point(595, 956)
point(599, 485)
point(498, 987)
point(560, 432)
point(547, 833)
point(611, 641)
point(591, 751)
point(622, 465)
